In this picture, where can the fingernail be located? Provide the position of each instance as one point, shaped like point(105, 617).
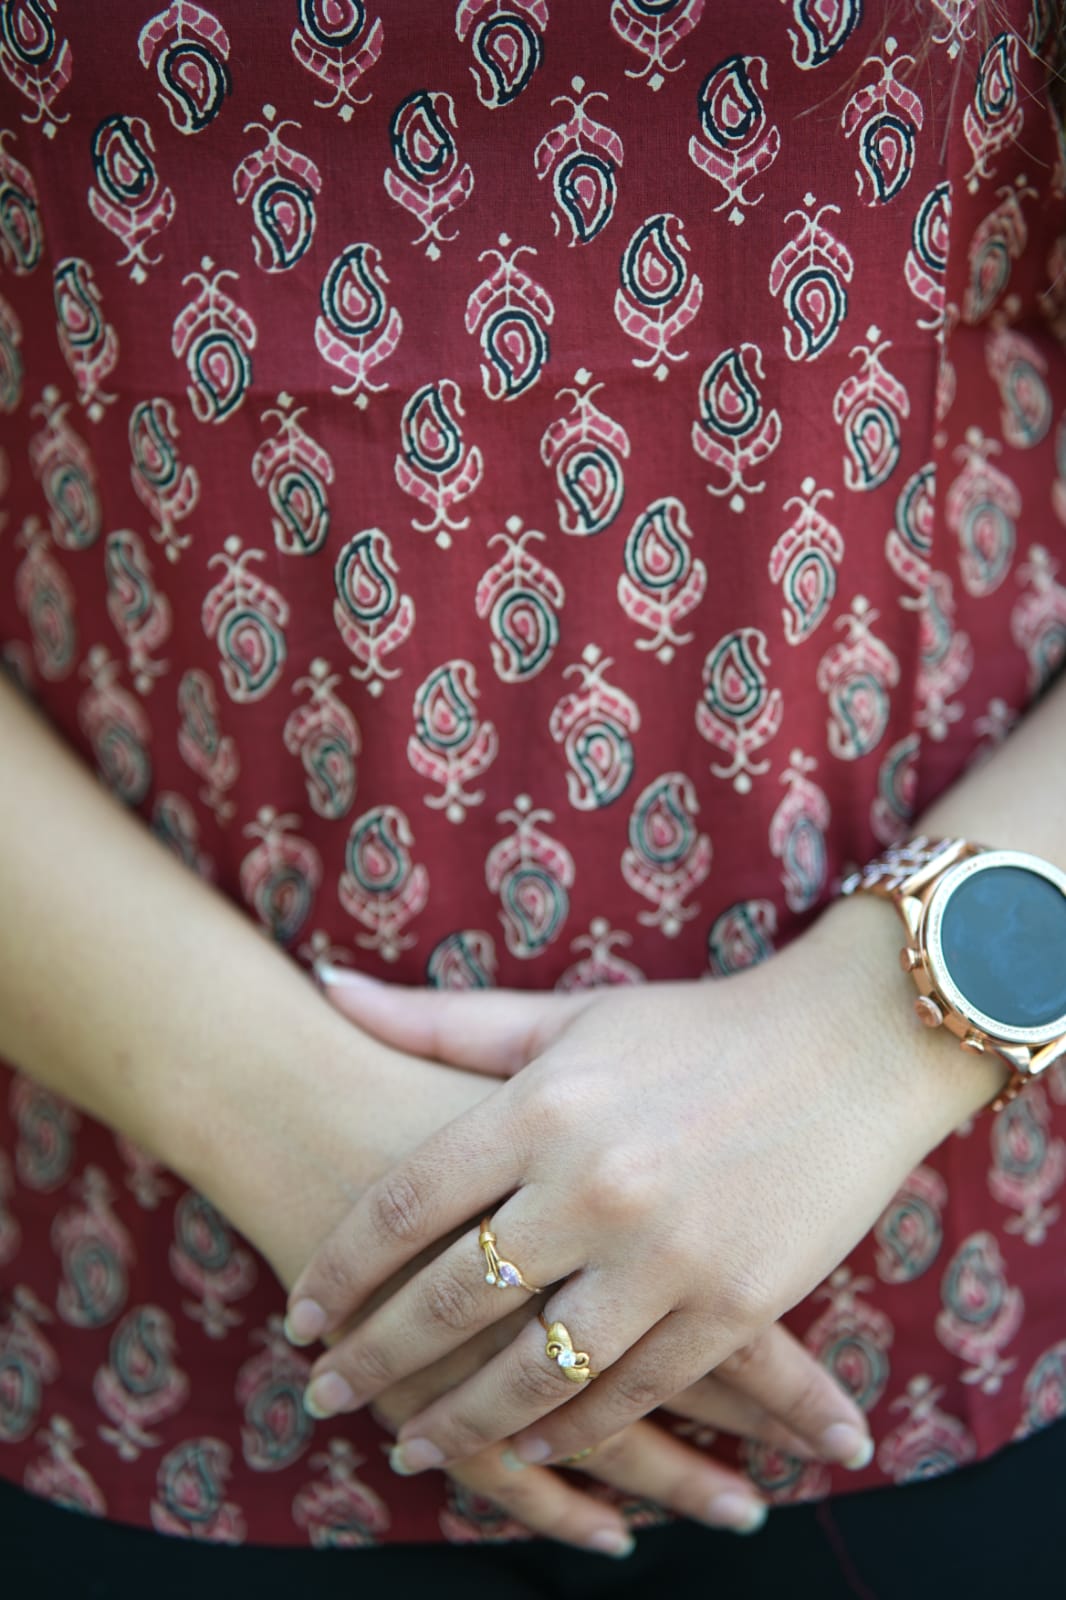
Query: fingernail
point(327, 974)
point(612, 1542)
point(531, 1452)
point(511, 1461)
point(327, 1394)
point(736, 1512)
point(847, 1444)
point(305, 1322)
point(414, 1455)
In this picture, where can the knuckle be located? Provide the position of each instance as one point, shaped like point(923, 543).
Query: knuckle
point(463, 1437)
point(555, 1104)
point(806, 1406)
point(333, 1275)
point(744, 1362)
point(367, 1366)
point(743, 1299)
point(637, 1392)
point(398, 1208)
point(536, 1383)
point(450, 1304)
point(620, 1187)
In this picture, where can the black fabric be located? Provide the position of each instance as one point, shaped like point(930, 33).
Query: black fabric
point(984, 1533)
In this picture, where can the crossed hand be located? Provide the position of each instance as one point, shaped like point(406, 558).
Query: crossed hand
point(668, 1168)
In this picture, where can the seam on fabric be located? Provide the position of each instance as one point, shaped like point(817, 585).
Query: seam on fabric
point(835, 1540)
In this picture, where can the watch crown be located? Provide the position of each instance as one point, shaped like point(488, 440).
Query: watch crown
point(909, 958)
point(973, 1042)
point(928, 1011)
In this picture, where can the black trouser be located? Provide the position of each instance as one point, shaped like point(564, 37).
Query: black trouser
point(984, 1533)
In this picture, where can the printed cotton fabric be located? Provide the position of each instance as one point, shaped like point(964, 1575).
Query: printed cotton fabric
point(519, 493)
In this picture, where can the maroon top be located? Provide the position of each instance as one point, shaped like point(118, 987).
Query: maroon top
point(522, 494)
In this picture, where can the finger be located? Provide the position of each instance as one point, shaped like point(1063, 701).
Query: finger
point(434, 1312)
point(524, 1383)
point(547, 1504)
point(497, 1031)
point(647, 1461)
point(667, 1360)
point(780, 1375)
point(457, 1173)
point(715, 1404)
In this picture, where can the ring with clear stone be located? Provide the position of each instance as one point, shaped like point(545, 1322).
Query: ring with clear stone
point(574, 1364)
point(504, 1274)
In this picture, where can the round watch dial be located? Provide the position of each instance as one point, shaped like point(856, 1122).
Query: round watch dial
point(996, 938)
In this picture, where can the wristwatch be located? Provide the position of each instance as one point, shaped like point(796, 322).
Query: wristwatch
point(986, 946)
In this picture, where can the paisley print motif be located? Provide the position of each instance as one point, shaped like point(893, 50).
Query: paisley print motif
point(129, 198)
point(296, 474)
point(188, 49)
point(595, 724)
point(215, 337)
point(659, 295)
point(451, 745)
point(521, 598)
point(86, 339)
point(734, 432)
point(337, 42)
point(736, 142)
point(372, 615)
point(427, 177)
point(245, 616)
point(435, 464)
point(21, 239)
point(511, 314)
point(586, 449)
point(167, 486)
point(532, 874)
point(382, 887)
point(804, 562)
point(358, 328)
point(506, 45)
point(811, 273)
point(738, 711)
point(667, 858)
point(582, 157)
point(429, 525)
point(884, 117)
point(661, 582)
point(280, 187)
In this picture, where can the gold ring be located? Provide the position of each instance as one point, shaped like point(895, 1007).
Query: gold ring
point(504, 1274)
point(574, 1364)
point(582, 1455)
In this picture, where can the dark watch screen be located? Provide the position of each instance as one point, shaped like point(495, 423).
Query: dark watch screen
point(1003, 937)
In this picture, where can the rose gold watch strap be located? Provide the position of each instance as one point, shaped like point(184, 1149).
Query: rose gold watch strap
point(907, 867)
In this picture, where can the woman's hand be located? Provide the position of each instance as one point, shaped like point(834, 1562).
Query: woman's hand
point(644, 1459)
point(682, 1161)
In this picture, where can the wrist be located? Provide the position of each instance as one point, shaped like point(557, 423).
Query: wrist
point(293, 1122)
point(929, 1085)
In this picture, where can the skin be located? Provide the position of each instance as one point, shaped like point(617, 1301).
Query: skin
point(134, 990)
point(679, 1163)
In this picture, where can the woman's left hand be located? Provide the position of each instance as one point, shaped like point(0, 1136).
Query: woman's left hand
point(682, 1162)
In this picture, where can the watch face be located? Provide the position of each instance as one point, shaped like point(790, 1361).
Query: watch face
point(996, 942)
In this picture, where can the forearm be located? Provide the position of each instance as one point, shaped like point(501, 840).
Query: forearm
point(1011, 801)
point(142, 995)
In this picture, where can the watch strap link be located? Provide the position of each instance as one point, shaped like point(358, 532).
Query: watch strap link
point(906, 868)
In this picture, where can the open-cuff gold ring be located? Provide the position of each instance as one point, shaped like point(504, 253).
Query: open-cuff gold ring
point(504, 1274)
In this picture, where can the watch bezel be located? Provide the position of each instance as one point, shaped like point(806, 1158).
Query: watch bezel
point(931, 940)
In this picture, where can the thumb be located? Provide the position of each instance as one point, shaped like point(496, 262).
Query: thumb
point(495, 1031)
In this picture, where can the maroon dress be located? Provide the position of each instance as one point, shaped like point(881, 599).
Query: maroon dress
point(526, 493)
